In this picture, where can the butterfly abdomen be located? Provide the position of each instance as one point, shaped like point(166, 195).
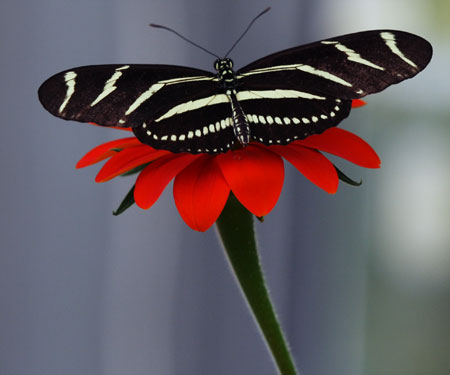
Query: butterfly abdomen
point(241, 127)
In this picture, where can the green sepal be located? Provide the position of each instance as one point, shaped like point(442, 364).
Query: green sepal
point(134, 170)
point(127, 202)
point(344, 178)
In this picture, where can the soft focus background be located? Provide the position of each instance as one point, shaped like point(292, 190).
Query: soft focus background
point(360, 279)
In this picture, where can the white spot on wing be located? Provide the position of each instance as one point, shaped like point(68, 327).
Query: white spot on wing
point(324, 74)
point(159, 85)
point(352, 55)
point(390, 41)
point(303, 67)
point(110, 84)
point(276, 94)
point(69, 77)
point(144, 97)
point(193, 105)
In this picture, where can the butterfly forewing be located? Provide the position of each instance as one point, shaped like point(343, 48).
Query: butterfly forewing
point(347, 67)
point(122, 95)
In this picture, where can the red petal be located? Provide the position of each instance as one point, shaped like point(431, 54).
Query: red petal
point(200, 192)
point(155, 177)
point(312, 164)
point(344, 144)
point(356, 103)
point(128, 159)
point(255, 175)
point(105, 150)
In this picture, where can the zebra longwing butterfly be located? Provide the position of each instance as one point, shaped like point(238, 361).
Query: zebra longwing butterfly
point(277, 99)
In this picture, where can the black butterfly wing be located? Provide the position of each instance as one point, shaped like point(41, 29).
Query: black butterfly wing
point(281, 121)
point(197, 126)
point(122, 95)
point(307, 89)
point(346, 67)
point(174, 108)
point(285, 96)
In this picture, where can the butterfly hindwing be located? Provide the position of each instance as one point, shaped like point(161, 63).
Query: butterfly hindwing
point(199, 126)
point(281, 121)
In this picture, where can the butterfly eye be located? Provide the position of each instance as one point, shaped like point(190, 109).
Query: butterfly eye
point(216, 64)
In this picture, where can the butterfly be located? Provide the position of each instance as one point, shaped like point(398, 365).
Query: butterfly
point(280, 98)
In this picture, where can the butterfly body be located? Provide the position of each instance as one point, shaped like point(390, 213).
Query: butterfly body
point(229, 85)
point(278, 99)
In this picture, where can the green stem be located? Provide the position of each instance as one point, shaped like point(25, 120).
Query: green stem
point(236, 230)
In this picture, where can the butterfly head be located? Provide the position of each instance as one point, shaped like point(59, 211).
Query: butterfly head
point(221, 64)
point(224, 69)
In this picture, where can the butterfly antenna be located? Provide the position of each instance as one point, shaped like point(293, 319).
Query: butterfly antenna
point(248, 28)
point(184, 38)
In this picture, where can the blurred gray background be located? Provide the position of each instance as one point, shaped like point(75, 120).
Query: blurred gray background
point(360, 279)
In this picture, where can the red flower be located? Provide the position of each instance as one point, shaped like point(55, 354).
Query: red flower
point(254, 174)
